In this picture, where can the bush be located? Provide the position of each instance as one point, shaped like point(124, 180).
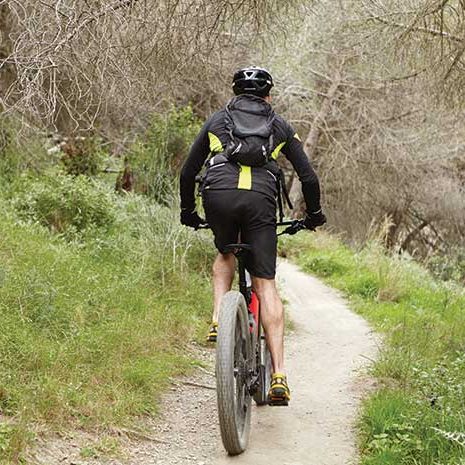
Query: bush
point(82, 156)
point(92, 332)
point(450, 267)
point(156, 157)
point(20, 151)
point(65, 204)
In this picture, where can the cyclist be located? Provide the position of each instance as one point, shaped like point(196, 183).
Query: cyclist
point(240, 199)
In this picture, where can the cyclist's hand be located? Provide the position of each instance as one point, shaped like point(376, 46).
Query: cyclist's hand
point(191, 219)
point(315, 219)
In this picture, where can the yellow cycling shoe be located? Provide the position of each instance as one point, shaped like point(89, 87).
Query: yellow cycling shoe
point(212, 332)
point(279, 393)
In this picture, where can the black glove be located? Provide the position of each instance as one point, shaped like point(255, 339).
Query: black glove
point(191, 219)
point(315, 219)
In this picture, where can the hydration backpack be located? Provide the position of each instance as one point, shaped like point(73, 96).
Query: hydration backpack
point(249, 122)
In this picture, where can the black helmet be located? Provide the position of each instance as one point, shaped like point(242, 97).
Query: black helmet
point(252, 80)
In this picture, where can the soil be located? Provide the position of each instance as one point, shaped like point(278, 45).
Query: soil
point(327, 355)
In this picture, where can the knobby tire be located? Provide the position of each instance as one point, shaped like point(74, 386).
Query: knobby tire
point(233, 351)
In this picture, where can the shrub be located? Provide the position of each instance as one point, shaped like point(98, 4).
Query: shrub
point(65, 204)
point(325, 266)
point(92, 332)
point(82, 156)
point(156, 157)
point(450, 267)
point(20, 151)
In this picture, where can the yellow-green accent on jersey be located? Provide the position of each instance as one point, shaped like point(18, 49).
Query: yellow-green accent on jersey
point(215, 144)
point(245, 178)
point(276, 151)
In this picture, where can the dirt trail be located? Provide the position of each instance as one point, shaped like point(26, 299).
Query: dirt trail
point(329, 346)
point(324, 355)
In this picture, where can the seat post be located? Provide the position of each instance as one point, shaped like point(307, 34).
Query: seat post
point(242, 278)
point(240, 250)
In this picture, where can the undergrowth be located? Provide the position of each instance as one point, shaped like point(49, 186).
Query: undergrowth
point(157, 156)
point(93, 327)
point(417, 416)
point(70, 206)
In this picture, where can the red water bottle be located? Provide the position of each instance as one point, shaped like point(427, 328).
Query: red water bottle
point(254, 308)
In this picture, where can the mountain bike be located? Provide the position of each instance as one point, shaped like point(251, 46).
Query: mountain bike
point(243, 360)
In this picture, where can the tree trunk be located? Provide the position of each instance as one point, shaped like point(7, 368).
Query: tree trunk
point(395, 220)
point(412, 234)
point(311, 143)
point(7, 71)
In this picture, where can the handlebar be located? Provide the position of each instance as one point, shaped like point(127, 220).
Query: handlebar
point(293, 226)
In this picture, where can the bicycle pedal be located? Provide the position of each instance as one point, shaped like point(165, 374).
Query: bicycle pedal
point(278, 402)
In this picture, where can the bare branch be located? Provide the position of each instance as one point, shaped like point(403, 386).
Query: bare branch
point(424, 30)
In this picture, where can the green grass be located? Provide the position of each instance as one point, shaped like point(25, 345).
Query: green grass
point(92, 331)
point(418, 414)
point(105, 446)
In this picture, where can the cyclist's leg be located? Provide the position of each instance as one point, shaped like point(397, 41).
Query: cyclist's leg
point(223, 275)
point(259, 230)
point(221, 215)
point(272, 316)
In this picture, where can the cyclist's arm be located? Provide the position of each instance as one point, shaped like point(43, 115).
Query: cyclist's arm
point(294, 152)
point(197, 155)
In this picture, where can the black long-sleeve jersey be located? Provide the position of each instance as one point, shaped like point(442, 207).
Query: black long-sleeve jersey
point(224, 175)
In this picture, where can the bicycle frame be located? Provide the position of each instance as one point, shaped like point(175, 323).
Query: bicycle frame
point(243, 360)
point(252, 302)
point(245, 288)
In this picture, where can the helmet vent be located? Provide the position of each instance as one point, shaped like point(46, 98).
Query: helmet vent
point(252, 80)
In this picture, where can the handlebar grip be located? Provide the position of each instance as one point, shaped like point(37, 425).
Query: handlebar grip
point(294, 227)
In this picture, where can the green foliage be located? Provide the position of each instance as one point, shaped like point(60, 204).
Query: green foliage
point(92, 331)
point(400, 427)
point(418, 415)
point(82, 156)
point(324, 266)
point(20, 151)
point(65, 204)
point(448, 267)
point(8, 155)
point(24, 151)
point(107, 446)
point(156, 157)
point(13, 439)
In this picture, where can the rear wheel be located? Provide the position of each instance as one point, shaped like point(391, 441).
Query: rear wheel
point(233, 363)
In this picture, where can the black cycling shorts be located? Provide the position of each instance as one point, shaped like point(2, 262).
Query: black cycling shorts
point(248, 217)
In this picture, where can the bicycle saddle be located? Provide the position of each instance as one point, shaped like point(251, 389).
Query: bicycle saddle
point(237, 249)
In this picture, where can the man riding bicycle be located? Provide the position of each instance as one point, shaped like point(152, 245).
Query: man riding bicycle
point(240, 195)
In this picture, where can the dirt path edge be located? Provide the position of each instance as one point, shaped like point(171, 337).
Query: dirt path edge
point(327, 355)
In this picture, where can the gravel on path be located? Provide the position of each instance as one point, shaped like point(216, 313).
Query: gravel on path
point(327, 353)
